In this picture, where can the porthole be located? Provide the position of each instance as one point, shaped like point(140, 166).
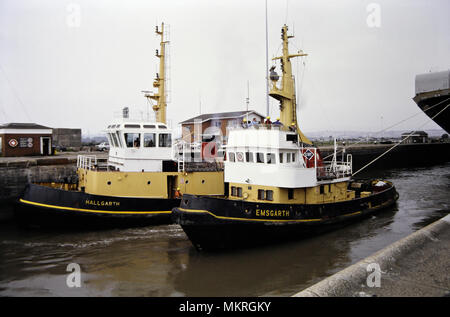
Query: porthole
point(203, 181)
point(109, 183)
point(149, 182)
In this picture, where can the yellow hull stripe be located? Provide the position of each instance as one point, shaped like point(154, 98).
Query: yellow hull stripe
point(95, 211)
point(247, 219)
point(353, 213)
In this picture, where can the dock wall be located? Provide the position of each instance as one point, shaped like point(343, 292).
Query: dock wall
point(416, 265)
point(404, 155)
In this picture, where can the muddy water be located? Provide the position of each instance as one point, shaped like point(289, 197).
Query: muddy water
point(160, 261)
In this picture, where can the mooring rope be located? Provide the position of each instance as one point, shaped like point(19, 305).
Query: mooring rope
point(377, 158)
point(390, 127)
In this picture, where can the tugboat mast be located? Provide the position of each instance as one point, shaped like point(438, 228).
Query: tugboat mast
point(159, 82)
point(286, 94)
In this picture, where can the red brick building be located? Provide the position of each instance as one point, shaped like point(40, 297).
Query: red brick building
point(215, 123)
point(25, 139)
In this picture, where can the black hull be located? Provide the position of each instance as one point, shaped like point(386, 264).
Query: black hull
point(43, 206)
point(215, 223)
point(433, 103)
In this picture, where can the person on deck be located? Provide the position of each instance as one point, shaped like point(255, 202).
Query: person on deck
point(277, 122)
point(268, 121)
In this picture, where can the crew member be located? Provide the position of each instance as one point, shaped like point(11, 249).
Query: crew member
point(278, 122)
point(292, 127)
point(178, 193)
point(268, 121)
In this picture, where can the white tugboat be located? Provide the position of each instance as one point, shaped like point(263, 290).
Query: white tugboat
point(277, 185)
point(139, 185)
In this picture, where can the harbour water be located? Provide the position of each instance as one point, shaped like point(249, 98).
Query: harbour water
point(160, 260)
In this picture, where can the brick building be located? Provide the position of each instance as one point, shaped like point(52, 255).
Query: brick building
point(25, 139)
point(215, 123)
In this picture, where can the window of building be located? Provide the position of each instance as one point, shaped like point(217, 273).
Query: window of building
point(270, 158)
point(259, 157)
point(281, 157)
point(149, 139)
point(269, 194)
point(231, 156)
point(132, 139)
point(249, 157)
point(261, 194)
point(165, 140)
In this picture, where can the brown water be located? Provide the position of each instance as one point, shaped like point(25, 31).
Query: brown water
point(160, 261)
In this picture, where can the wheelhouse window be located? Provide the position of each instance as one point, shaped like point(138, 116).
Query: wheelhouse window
point(132, 139)
point(288, 157)
point(149, 126)
point(270, 158)
point(231, 156)
point(293, 157)
point(281, 157)
point(240, 156)
point(249, 157)
point(165, 140)
point(119, 139)
point(115, 141)
point(149, 139)
point(133, 126)
point(259, 157)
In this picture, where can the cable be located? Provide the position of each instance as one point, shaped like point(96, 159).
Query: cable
point(15, 93)
point(399, 142)
point(381, 131)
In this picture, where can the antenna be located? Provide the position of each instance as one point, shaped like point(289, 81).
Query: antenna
point(247, 100)
point(267, 67)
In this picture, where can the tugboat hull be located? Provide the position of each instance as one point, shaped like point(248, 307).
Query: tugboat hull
point(45, 206)
point(215, 223)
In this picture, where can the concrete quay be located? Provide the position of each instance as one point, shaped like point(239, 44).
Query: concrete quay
point(415, 266)
point(403, 155)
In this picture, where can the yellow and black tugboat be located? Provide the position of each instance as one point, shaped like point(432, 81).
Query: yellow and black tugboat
point(139, 185)
point(277, 185)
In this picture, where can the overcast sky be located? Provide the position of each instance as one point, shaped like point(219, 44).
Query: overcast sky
point(74, 63)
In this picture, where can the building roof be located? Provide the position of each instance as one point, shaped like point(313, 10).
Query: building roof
point(220, 115)
point(22, 126)
point(416, 133)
